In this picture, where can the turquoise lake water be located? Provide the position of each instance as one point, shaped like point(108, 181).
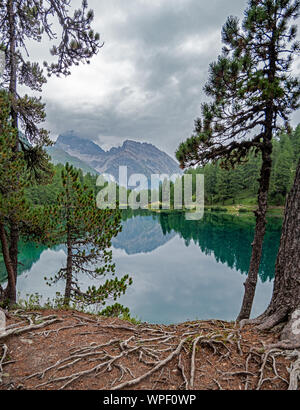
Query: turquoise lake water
point(182, 270)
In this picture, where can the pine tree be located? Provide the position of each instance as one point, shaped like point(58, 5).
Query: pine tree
point(13, 180)
point(251, 90)
point(87, 233)
point(32, 20)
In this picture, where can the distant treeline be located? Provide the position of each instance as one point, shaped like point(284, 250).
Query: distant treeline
point(240, 185)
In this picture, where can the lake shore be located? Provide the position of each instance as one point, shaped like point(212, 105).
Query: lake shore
point(230, 209)
point(65, 349)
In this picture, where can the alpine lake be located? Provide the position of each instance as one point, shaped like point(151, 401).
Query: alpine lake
point(182, 270)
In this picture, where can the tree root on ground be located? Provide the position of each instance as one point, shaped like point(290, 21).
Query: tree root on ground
point(4, 354)
point(35, 320)
point(294, 370)
point(290, 335)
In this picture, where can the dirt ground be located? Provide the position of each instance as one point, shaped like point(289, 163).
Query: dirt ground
point(56, 350)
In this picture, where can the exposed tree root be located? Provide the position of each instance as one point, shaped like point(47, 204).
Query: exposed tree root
point(294, 371)
point(269, 322)
point(35, 322)
point(185, 383)
point(157, 367)
point(249, 322)
point(4, 353)
point(191, 384)
point(290, 336)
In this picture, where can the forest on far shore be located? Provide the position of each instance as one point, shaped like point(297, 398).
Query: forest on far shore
point(222, 187)
point(240, 185)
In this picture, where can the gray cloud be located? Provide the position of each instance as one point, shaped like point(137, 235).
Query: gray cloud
point(147, 81)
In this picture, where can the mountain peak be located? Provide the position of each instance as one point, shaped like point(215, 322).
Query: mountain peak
point(132, 143)
point(70, 141)
point(127, 143)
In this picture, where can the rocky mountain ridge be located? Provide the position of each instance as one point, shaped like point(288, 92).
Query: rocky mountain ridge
point(139, 157)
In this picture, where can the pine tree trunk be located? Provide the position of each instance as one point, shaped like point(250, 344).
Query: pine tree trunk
point(285, 302)
point(68, 288)
point(14, 231)
point(260, 229)
point(10, 291)
point(264, 184)
point(13, 249)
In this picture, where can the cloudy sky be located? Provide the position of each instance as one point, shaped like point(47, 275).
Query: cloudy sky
point(146, 82)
